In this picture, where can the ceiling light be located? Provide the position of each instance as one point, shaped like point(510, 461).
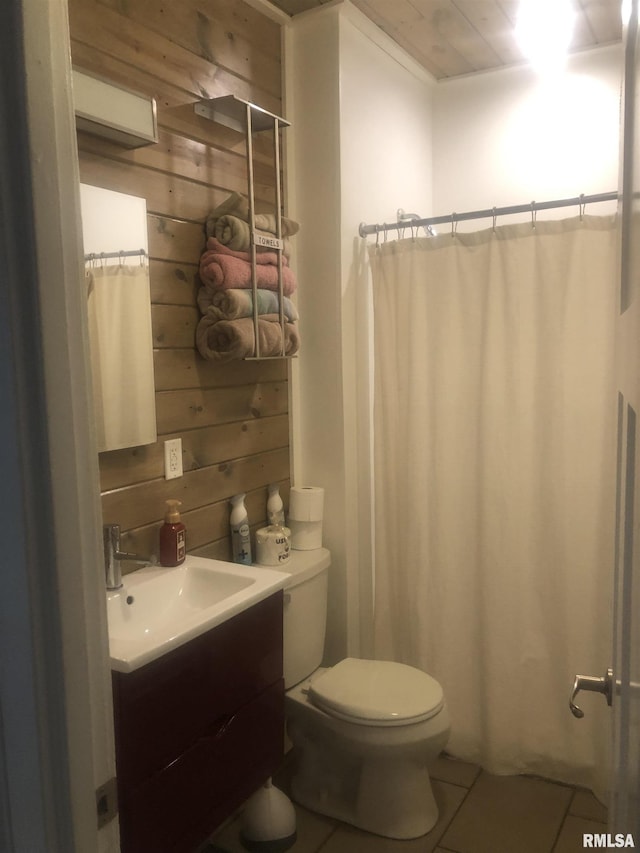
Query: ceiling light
point(544, 29)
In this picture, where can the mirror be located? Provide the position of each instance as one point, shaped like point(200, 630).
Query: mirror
point(114, 227)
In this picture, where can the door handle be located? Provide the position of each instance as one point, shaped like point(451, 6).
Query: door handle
point(596, 685)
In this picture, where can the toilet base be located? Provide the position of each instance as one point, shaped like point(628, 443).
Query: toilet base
point(374, 777)
point(385, 796)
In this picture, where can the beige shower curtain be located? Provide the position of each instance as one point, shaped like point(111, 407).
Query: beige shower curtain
point(121, 346)
point(494, 422)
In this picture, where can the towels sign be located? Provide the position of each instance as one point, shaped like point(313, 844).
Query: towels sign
point(269, 242)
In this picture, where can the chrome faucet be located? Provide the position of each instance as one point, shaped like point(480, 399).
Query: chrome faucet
point(113, 555)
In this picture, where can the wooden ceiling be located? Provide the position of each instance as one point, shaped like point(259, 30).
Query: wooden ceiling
point(453, 37)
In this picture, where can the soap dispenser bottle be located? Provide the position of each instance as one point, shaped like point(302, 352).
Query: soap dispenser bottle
point(173, 537)
point(275, 507)
point(240, 540)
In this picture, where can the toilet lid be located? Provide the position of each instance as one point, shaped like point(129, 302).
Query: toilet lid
point(377, 693)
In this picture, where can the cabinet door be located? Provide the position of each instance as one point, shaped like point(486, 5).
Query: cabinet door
point(179, 808)
point(162, 709)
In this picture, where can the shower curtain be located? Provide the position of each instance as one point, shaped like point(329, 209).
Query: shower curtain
point(494, 459)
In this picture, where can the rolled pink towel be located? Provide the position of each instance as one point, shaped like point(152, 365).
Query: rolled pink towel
point(222, 271)
point(225, 340)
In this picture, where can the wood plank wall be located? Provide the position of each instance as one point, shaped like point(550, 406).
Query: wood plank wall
point(233, 418)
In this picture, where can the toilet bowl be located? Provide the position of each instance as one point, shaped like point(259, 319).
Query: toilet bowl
point(363, 732)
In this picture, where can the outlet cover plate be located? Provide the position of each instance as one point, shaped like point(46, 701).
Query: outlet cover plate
point(172, 458)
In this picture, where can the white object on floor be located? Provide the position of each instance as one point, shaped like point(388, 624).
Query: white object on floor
point(268, 821)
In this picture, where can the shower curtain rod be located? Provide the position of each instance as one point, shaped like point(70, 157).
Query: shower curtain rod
point(129, 253)
point(413, 221)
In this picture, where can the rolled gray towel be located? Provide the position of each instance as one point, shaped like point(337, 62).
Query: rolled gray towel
point(235, 303)
point(225, 340)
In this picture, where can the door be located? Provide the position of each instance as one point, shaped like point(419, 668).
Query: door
point(625, 795)
point(56, 721)
point(621, 684)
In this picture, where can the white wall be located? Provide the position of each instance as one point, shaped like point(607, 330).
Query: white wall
point(385, 128)
point(360, 147)
point(385, 164)
point(372, 132)
point(314, 199)
point(509, 137)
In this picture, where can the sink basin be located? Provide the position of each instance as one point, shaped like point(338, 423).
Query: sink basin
point(159, 609)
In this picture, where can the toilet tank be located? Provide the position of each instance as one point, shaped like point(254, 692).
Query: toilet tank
point(305, 613)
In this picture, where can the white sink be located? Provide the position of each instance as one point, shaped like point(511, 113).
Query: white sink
point(159, 609)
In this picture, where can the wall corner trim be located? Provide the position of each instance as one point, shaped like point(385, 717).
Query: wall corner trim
point(270, 11)
point(373, 32)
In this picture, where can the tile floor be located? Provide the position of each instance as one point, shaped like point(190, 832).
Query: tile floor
point(479, 813)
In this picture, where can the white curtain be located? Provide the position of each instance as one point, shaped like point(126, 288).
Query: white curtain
point(494, 423)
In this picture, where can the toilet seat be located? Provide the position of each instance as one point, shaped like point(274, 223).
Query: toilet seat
point(377, 693)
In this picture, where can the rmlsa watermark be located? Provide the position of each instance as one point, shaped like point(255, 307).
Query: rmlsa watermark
point(604, 839)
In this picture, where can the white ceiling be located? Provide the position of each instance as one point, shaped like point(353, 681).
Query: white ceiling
point(454, 37)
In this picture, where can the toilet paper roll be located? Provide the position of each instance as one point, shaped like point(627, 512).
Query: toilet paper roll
point(305, 535)
point(273, 545)
point(306, 503)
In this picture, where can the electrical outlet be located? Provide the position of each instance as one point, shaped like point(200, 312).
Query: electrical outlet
point(173, 458)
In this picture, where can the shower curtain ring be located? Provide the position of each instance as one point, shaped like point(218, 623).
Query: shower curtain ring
point(377, 236)
point(534, 214)
point(495, 216)
point(582, 206)
point(454, 224)
point(384, 231)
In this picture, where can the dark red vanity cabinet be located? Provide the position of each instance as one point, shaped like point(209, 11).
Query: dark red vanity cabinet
point(198, 731)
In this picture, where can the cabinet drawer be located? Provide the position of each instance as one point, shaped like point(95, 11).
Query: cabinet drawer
point(179, 808)
point(166, 706)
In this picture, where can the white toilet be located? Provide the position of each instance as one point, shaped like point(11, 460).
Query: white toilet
point(363, 731)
